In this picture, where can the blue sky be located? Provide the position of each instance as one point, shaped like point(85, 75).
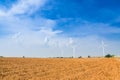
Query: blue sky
point(50, 28)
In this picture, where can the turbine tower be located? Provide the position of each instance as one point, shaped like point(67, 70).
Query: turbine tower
point(59, 45)
point(103, 48)
point(61, 51)
point(73, 51)
point(71, 43)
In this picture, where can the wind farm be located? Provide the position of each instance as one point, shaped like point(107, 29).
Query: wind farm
point(61, 67)
point(59, 39)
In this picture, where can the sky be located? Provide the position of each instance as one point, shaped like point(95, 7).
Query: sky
point(55, 28)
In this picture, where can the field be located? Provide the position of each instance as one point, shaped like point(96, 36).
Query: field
point(59, 69)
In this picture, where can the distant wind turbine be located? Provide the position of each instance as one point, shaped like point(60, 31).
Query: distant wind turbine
point(74, 49)
point(71, 43)
point(46, 40)
point(18, 34)
point(103, 48)
point(60, 47)
point(17, 37)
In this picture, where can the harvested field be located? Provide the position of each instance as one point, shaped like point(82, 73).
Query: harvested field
point(59, 69)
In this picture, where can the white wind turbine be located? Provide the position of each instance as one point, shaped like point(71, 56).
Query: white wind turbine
point(103, 48)
point(60, 47)
point(17, 37)
point(71, 43)
point(49, 34)
point(46, 40)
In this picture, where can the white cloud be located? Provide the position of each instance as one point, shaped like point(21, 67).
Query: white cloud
point(25, 33)
point(26, 6)
point(2, 13)
point(105, 28)
point(89, 28)
point(49, 32)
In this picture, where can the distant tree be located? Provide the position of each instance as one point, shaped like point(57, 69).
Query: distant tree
point(80, 57)
point(1, 56)
point(70, 57)
point(89, 56)
point(23, 56)
point(109, 56)
point(61, 57)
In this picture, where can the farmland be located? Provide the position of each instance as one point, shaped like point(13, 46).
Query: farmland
point(59, 69)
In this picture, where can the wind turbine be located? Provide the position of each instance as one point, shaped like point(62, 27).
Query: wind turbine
point(60, 47)
point(74, 49)
point(46, 41)
point(103, 48)
point(71, 43)
point(17, 37)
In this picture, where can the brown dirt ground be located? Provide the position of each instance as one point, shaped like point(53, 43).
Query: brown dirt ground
point(59, 69)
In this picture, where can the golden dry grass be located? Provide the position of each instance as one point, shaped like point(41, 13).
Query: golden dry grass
point(59, 69)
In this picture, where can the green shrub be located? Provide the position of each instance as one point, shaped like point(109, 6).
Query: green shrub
point(1, 56)
point(23, 56)
point(89, 56)
point(80, 57)
point(109, 56)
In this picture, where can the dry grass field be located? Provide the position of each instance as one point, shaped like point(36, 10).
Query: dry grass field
point(59, 69)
